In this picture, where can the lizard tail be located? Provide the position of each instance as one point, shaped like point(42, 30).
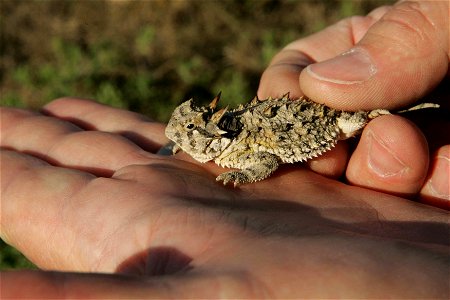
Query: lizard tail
point(379, 112)
point(420, 106)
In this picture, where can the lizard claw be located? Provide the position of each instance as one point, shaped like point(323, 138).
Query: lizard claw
point(236, 177)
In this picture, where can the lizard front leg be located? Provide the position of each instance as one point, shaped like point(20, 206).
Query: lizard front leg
point(253, 167)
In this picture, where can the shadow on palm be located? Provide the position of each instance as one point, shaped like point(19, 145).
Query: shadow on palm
point(295, 204)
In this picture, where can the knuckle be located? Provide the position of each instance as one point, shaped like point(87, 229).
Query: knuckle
point(411, 23)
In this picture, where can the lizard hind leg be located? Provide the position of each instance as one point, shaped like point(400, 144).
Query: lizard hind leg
point(256, 167)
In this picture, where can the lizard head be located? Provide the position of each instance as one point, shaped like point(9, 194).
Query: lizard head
point(196, 131)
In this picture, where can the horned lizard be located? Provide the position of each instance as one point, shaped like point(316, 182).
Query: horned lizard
point(255, 138)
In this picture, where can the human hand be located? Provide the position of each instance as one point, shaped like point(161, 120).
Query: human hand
point(79, 194)
point(388, 59)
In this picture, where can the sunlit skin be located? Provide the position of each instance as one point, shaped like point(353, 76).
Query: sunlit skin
point(83, 192)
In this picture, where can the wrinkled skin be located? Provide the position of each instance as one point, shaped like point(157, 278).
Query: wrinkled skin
point(94, 202)
point(78, 193)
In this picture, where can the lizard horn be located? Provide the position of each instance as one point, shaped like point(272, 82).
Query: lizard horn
point(215, 118)
point(254, 101)
point(214, 102)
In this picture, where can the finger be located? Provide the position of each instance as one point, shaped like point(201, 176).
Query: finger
point(35, 195)
point(77, 219)
point(64, 144)
point(394, 160)
point(58, 285)
point(332, 163)
point(71, 220)
point(402, 57)
point(436, 190)
point(282, 75)
point(91, 115)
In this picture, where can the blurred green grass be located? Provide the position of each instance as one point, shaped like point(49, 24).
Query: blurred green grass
point(148, 56)
point(10, 258)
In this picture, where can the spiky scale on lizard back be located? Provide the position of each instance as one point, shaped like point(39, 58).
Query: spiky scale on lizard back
point(260, 135)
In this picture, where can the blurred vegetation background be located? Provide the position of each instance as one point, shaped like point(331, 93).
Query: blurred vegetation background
point(148, 56)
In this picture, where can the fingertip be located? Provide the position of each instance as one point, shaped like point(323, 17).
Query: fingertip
point(400, 58)
point(282, 75)
point(436, 190)
point(331, 164)
point(347, 81)
point(392, 156)
point(279, 80)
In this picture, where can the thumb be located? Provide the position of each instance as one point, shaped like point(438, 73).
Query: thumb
point(400, 58)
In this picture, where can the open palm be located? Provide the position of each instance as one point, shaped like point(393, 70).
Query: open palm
point(80, 193)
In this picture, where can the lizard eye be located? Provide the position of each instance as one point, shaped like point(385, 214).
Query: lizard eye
point(190, 126)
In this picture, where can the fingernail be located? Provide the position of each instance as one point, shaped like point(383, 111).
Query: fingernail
point(439, 183)
point(351, 67)
point(382, 160)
